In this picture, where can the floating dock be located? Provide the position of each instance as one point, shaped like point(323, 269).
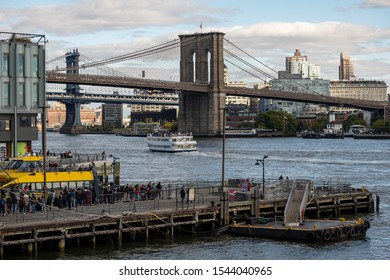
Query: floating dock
point(311, 230)
point(209, 212)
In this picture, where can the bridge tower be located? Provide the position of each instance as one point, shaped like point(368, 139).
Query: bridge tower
point(72, 123)
point(201, 61)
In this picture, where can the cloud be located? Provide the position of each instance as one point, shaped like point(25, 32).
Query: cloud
point(93, 16)
point(322, 42)
point(369, 4)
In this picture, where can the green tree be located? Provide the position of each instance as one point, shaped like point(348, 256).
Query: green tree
point(381, 126)
point(352, 120)
point(279, 120)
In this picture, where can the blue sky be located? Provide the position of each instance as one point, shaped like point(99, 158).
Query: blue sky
point(270, 30)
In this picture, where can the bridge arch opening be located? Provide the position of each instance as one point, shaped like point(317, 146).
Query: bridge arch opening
point(194, 67)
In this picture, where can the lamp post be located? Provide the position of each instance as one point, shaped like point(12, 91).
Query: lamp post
point(43, 123)
point(258, 163)
point(223, 148)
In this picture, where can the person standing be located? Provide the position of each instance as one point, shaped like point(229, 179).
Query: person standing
point(2, 205)
point(182, 194)
point(43, 203)
point(159, 190)
point(14, 200)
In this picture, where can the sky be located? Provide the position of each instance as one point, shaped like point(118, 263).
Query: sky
point(268, 30)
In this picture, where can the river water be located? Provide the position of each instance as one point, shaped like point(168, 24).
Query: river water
point(360, 162)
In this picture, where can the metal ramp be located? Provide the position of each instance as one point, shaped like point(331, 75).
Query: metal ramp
point(296, 204)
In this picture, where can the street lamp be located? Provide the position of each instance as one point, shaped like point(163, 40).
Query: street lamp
point(43, 123)
point(223, 148)
point(262, 162)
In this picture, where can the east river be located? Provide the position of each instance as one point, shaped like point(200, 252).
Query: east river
point(360, 162)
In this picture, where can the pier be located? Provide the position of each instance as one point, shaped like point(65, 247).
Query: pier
point(207, 211)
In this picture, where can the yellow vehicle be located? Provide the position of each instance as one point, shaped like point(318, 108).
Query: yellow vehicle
point(28, 171)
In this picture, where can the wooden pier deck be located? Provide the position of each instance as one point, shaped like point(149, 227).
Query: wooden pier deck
point(141, 220)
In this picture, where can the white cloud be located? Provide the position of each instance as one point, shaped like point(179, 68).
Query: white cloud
point(322, 42)
point(93, 16)
point(368, 4)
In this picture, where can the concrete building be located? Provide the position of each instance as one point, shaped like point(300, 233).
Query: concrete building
point(294, 82)
point(112, 113)
point(300, 76)
point(22, 91)
point(359, 89)
point(136, 108)
point(299, 64)
point(346, 68)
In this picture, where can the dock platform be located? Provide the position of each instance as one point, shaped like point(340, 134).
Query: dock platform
point(209, 212)
point(311, 230)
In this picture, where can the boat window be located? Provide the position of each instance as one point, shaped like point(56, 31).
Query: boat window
point(56, 185)
point(15, 164)
point(72, 185)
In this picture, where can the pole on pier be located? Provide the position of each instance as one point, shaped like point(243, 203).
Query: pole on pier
point(120, 233)
point(93, 237)
point(224, 209)
point(255, 209)
point(377, 202)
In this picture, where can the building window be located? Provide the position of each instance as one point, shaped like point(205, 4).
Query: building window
point(21, 95)
point(35, 95)
point(6, 64)
point(21, 65)
point(35, 66)
point(6, 95)
point(5, 125)
point(27, 121)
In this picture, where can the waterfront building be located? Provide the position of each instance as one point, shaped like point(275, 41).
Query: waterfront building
point(300, 76)
point(359, 89)
point(138, 108)
point(113, 114)
point(22, 90)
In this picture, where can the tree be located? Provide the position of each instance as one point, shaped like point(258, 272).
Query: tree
point(381, 126)
point(352, 120)
point(279, 120)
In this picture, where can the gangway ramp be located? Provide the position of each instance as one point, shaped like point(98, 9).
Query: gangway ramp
point(296, 204)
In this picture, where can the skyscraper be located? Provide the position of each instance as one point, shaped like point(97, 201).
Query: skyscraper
point(345, 68)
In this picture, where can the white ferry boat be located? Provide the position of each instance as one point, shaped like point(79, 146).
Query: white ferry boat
point(162, 141)
point(355, 129)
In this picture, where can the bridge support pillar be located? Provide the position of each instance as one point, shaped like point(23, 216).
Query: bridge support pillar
point(201, 60)
point(73, 121)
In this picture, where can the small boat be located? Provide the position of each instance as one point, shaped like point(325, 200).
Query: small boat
point(164, 141)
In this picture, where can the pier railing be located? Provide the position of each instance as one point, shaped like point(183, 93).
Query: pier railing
point(206, 193)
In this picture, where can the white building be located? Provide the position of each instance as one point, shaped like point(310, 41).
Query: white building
point(299, 64)
point(359, 89)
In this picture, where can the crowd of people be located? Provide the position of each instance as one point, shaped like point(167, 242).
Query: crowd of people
point(27, 201)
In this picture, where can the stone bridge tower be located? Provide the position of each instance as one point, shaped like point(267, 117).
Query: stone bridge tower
point(73, 121)
point(201, 61)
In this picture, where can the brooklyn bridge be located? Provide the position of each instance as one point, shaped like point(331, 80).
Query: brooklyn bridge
point(194, 67)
